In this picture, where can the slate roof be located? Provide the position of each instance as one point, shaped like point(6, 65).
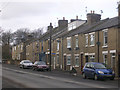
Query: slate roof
point(87, 28)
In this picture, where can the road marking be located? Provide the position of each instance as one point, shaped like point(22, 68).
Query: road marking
point(59, 79)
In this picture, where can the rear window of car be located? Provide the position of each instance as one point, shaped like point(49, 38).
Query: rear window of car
point(27, 62)
point(41, 63)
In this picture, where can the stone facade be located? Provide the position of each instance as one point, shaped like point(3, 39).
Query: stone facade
point(92, 41)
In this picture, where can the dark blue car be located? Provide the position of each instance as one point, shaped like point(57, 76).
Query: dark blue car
point(97, 71)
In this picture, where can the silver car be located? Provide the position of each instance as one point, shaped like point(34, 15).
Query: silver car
point(26, 64)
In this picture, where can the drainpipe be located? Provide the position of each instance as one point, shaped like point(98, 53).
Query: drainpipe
point(98, 44)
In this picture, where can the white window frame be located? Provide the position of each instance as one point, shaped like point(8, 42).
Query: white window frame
point(58, 46)
point(86, 40)
point(68, 42)
point(76, 42)
point(105, 61)
point(105, 44)
point(92, 57)
point(77, 62)
point(92, 38)
point(69, 62)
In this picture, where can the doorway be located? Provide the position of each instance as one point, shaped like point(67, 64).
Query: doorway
point(81, 62)
point(86, 57)
point(113, 61)
point(64, 62)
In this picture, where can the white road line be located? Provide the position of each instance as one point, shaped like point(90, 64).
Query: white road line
point(60, 79)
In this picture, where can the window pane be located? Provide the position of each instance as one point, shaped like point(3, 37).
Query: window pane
point(92, 39)
point(77, 60)
point(58, 46)
point(68, 43)
point(68, 60)
point(76, 42)
point(92, 58)
point(105, 37)
point(86, 39)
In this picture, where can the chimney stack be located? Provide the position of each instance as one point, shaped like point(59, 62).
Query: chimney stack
point(92, 17)
point(63, 18)
point(62, 23)
point(76, 17)
point(49, 27)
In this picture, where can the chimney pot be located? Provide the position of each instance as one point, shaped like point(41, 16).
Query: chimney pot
point(91, 11)
point(50, 24)
point(77, 17)
point(63, 18)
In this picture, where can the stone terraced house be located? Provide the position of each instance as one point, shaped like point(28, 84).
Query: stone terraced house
point(80, 41)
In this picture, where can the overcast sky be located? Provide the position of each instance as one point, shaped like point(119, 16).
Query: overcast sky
point(35, 14)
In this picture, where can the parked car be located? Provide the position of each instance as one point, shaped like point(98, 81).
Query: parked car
point(26, 64)
point(97, 71)
point(40, 65)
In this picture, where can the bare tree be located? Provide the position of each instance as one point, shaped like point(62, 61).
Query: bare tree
point(6, 38)
point(21, 35)
point(1, 30)
point(6, 47)
point(37, 33)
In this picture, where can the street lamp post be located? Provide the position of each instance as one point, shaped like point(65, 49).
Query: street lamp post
point(50, 29)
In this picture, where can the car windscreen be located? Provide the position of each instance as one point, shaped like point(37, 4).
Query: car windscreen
point(41, 63)
point(27, 62)
point(99, 66)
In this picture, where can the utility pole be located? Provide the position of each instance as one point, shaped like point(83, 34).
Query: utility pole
point(50, 29)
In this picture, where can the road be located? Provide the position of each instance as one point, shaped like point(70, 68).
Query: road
point(14, 77)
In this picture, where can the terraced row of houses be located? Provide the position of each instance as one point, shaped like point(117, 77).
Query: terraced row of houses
point(75, 43)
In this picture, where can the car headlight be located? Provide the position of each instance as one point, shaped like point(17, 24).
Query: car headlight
point(100, 72)
point(113, 72)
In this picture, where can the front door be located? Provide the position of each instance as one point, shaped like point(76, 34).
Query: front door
point(81, 62)
point(113, 61)
point(54, 62)
point(86, 57)
point(64, 62)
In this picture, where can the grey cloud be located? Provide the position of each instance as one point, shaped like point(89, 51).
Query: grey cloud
point(17, 10)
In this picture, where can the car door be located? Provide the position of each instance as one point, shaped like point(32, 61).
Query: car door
point(91, 71)
point(86, 69)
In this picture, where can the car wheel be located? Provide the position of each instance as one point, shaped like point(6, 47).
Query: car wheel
point(95, 77)
point(23, 67)
point(84, 76)
point(112, 78)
